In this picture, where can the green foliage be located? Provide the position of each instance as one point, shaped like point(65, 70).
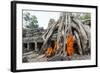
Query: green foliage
point(31, 20)
point(85, 16)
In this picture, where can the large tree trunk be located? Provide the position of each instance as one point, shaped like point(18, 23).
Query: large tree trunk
point(82, 34)
point(65, 26)
point(60, 36)
point(49, 34)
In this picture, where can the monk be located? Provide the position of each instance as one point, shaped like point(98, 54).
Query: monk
point(70, 43)
point(49, 51)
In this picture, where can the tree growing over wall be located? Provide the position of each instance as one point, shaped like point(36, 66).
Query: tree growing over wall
point(67, 24)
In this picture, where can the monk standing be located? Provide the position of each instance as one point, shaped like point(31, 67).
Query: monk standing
point(70, 43)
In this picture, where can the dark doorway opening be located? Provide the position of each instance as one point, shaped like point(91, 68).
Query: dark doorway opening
point(39, 45)
point(31, 46)
point(52, 43)
point(24, 47)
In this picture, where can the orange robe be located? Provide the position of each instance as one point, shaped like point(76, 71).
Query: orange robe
point(49, 51)
point(70, 43)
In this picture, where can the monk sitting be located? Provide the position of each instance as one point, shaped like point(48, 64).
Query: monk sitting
point(51, 49)
point(70, 43)
point(49, 52)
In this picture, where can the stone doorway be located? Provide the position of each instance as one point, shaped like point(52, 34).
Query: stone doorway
point(39, 45)
point(31, 46)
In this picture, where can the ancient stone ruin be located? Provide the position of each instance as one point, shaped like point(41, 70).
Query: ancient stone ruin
point(64, 37)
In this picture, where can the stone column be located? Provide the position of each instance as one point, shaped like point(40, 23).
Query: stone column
point(28, 46)
point(36, 49)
